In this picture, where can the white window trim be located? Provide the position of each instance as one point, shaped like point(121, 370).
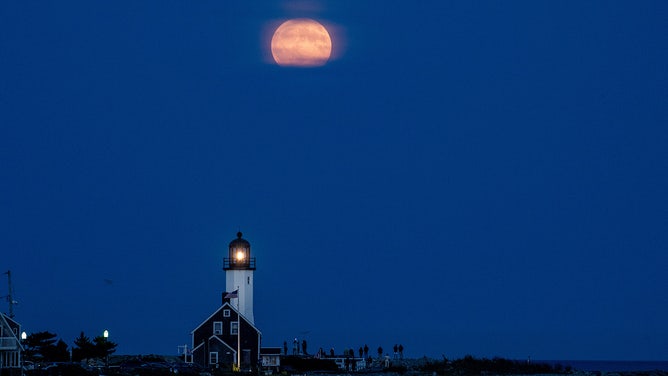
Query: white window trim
point(220, 331)
point(226, 313)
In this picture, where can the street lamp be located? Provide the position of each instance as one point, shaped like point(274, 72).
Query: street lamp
point(24, 336)
point(105, 335)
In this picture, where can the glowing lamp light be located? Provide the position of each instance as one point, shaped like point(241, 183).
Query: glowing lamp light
point(24, 336)
point(240, 255)
point(105, 334)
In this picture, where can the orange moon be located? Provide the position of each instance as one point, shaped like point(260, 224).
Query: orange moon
point(301, 42)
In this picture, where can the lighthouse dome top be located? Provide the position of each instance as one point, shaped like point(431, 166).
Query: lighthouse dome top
point(239, 242)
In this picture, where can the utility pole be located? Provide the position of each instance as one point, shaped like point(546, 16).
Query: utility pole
point(10, 297)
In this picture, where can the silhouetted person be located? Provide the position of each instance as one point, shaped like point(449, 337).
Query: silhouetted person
point(401, 351)
point(331, 352)
point(366, 350)
point(380, 351)
point(396, 349)
point(361, 351)
point(285, 347)
point(304, 347)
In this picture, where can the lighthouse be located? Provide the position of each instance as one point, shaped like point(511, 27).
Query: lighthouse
point(239, 267)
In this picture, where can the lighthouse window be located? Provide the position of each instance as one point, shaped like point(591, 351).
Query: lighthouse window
point(218, 327)
point(234, 327)
point(226, 313)
point(248, 280)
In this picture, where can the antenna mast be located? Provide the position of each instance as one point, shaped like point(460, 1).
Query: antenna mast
point(10, 297)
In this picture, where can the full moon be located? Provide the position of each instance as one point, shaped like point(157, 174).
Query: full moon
point(301, 42)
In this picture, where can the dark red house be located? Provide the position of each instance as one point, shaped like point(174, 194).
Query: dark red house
point(216, 340)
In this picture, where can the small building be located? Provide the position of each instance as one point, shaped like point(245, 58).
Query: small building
point(270, 358)
point(349, 364)
point(10, 346)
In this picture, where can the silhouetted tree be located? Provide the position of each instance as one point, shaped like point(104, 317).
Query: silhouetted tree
point(84, 348)
point(103, 347)
point(57, 352)
point(42, 347)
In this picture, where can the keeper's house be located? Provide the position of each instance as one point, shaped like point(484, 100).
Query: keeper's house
point(216, 340)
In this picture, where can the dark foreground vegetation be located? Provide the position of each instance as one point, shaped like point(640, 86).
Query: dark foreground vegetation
point(300, 364)
point(469, 365)
point(150, 365)
point(160, 366)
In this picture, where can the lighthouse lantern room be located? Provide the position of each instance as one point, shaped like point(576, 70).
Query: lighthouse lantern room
point(239, 267)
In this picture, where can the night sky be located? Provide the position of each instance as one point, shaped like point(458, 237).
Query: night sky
point(462, 177)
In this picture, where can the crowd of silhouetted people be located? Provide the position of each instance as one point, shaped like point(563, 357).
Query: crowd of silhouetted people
point(362, 352)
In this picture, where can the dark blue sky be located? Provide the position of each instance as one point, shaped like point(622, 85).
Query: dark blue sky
point(483, 177)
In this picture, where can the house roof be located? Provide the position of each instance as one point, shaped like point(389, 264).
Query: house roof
point(219, 340)
point(9, 322)
point(229, 306)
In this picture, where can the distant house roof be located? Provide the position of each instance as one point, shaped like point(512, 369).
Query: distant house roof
point(10, 321)
point(13, 326)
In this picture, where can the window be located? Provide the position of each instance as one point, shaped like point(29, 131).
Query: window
point(218, 327)
point(213, 357)
point(248, 280)
point(234, 327)
point(226, 313)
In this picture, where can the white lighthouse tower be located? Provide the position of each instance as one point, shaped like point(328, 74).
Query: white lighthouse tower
point(239, 267)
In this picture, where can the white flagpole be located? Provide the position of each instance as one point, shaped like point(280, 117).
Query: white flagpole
point(238, 331)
